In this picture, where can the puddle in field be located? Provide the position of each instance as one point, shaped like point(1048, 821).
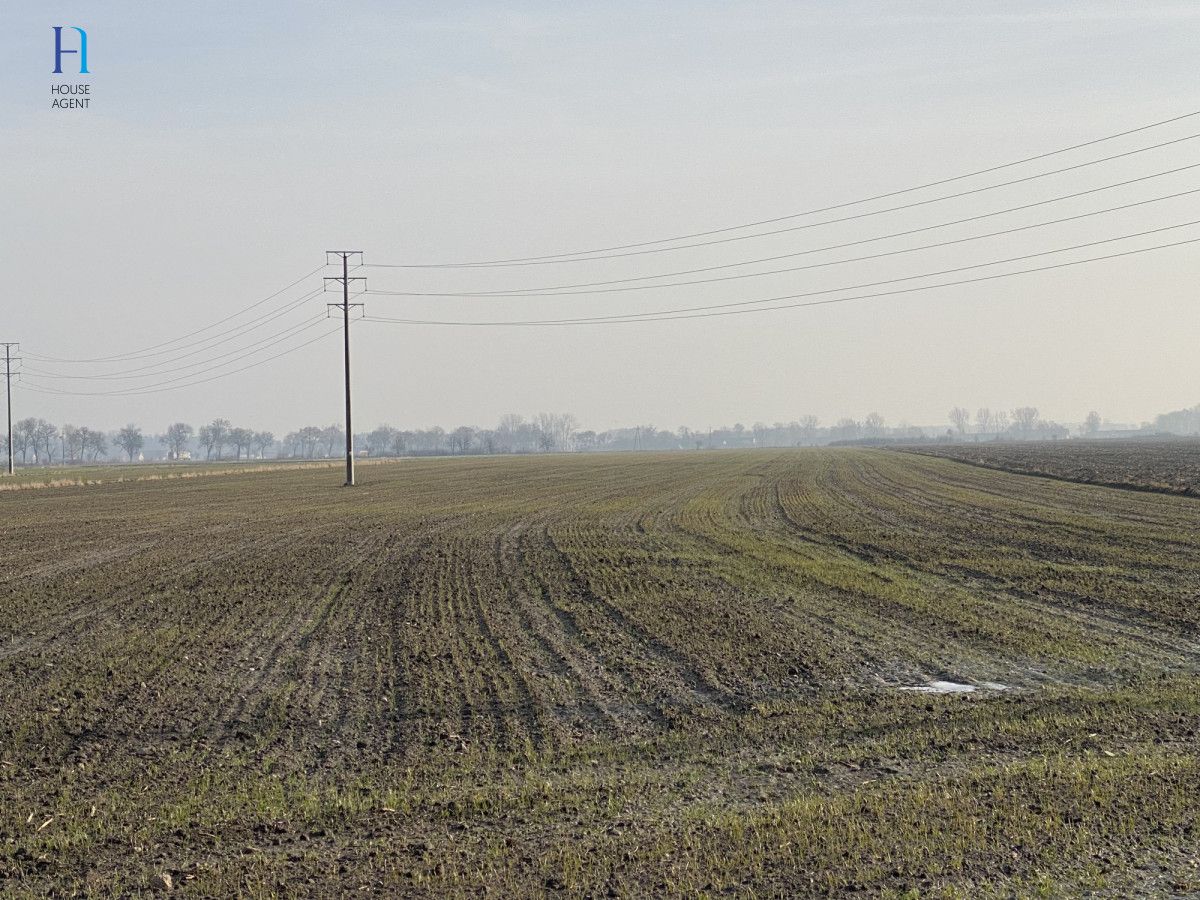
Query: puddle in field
point(954, 687)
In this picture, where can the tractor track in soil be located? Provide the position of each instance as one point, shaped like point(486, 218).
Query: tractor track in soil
point(553, 674)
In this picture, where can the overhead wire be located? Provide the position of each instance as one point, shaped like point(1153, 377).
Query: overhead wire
point(498, 295)
point(209, 343)
point(635, 249)
point(845, 244)
point(268, 341)
point(166, 386)
point(706, 310)
point(132, 354)
point(171, 348)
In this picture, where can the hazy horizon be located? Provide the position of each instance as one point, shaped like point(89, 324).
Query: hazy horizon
point(154, 430)
point(225, 153)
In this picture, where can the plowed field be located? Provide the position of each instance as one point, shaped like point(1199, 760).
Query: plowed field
point(601, 675)
point(1170, 466)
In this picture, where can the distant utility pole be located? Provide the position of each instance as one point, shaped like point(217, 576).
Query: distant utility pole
point(9, 359)
point(344, 306)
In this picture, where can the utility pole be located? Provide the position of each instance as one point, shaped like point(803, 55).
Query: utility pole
point(9, 359)
point(344, 306)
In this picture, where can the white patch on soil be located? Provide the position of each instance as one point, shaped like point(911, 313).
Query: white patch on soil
point(954, 687)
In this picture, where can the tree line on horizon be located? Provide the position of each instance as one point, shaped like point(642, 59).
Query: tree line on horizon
point(47, 443)
point(43, 443)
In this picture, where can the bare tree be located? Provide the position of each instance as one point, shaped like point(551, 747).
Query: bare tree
point(45, 436)
point(960, 419)
point(808, 428)
point(516, 435)
point(331, 437)
point(93, 442)
point(25, 438)
point(218, 432)
point(206, 440)
point(1179, 421)
point(380, 440)
point(310, 438)
point(1025, 418)
point(567, 426)
point(873, 425)
point(983, 420)
point(556, 430)
point(176, 439)
point(1092, 423)
point(37, 435)
point(846, 430)
point(240, 438)
point(545, 426)
point(72, 442)
point(434, 438)
point(461, 438)
point(510, 422)
point(261, 441)
point(130, 440)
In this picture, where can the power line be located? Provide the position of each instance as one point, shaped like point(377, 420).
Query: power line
point(157, 390)
point(130, 373)
point(268, 341)
point(894, 234)
point(139, 388)
point(700, 312)
point(792, 228)
point(209, 368)
point(614, 251)
point(643, 287)
point(132, 353)
point(209, 342)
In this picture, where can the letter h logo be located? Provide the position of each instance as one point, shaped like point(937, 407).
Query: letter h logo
point(59, 51)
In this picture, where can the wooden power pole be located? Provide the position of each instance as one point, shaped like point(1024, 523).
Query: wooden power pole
point(9, 359)
point(344, 279)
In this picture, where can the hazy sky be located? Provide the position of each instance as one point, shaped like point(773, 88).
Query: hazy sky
point(230, 144)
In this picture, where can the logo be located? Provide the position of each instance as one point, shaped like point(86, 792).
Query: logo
point(59, 51)
point(64, 94)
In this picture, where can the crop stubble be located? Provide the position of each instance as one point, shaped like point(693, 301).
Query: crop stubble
point(626, 673)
